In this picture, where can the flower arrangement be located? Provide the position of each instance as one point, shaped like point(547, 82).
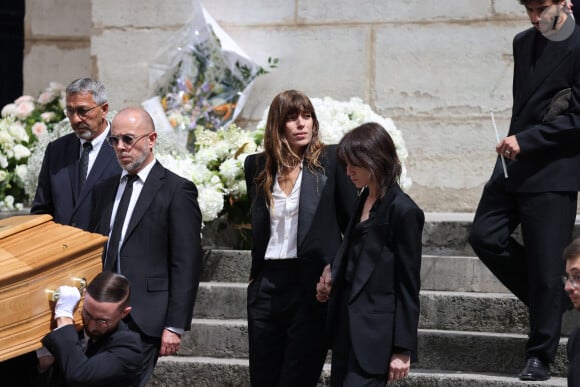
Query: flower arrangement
point(216, 168)
point(21, 123)
point(337, 117)
point(204, 84)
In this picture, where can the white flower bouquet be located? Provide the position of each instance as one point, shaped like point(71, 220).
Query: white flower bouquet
point(21, 124)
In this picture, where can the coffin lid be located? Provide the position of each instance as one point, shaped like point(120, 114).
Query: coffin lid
point(32, 244)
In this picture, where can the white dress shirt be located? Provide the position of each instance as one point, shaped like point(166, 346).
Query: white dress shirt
point(137, 187)
point(283, 243)
point(97, 142)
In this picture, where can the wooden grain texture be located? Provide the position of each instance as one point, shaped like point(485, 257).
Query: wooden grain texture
point(37, 255)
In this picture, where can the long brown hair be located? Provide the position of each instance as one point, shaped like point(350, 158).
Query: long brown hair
point(277, 151)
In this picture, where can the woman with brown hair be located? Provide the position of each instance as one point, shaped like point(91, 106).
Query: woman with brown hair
point(301, 201)
point(373, 310)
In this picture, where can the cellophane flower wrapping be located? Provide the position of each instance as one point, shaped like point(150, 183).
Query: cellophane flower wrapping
point(202, 78)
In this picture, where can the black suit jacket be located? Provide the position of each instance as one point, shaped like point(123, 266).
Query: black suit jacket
point(161, 253)
point(116, 360)
point(574, 359)
point(383, 304)
point(57, 192)
point(327, 199)
point(550, 150)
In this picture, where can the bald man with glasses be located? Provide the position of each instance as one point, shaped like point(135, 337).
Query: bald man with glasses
point(75, 163)
point(153, 222)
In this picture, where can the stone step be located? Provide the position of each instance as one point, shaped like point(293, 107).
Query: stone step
point(455, 273)
point(466, 351)
point(177, 371)
point(485, 312)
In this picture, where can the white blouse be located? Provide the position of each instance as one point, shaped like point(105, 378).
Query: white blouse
point(283, 243)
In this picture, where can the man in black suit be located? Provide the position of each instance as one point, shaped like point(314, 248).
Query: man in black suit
point(67, 177)
point(153, 221)
point(110, 355)
point(542, 155)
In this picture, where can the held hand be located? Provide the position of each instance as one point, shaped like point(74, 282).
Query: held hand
point(324, 285)
point(68, 299)
point(169, 343)
point(399, 367)
point(508, 148)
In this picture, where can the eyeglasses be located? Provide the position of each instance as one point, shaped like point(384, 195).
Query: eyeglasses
point(103, 322)
point(82, 112)
point(127, 139)
point(573, 279)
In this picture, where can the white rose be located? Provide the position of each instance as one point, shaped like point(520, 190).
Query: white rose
point(18, 132)
point(9, 202)
point(39, 128)
point(24, 98)
point(22, 172)
point(48, 116)
point(21, 152)
point(24, 109)
point(3, 175)
point(9, 110)
point(46, 97)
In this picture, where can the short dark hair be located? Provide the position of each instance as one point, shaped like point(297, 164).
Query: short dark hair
point(572, 250)
point(370, 146)
point(110, 287)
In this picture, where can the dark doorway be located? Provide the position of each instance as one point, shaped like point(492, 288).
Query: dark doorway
point(12, 44)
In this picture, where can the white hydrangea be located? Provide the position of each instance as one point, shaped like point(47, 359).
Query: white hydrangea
point(211, 202)
point(231, 170)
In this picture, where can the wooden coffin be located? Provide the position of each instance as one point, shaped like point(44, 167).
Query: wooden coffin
point(38, 255)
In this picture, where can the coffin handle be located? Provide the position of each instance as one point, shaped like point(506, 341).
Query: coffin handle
point(79, 282)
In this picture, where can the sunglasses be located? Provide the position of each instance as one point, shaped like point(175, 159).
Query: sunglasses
point(127, 139)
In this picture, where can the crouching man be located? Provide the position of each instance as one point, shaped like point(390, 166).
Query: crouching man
point(109, 354)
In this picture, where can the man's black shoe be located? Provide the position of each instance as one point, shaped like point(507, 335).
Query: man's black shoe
point(535, 369)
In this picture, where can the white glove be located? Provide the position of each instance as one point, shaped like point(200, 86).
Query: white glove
point(68, 298)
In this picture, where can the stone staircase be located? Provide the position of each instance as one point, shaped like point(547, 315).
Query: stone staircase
point(472, 331)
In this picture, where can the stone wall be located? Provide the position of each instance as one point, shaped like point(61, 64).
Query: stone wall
point(435, 67)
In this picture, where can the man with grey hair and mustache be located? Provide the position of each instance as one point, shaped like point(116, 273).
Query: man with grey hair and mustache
point(74, 163)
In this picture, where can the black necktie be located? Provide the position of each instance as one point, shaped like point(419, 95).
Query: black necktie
point(84, 164)
point(113, 247)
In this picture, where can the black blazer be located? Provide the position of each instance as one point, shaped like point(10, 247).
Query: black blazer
point(57, 192)
point(383, 305)
point(550, 150)
point(161, 254)
point(574, 359)
point(327, 199)
point(114, 361)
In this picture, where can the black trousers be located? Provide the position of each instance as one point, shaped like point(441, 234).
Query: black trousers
point(532, 271)
point(151, 346)
point(286, 324)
